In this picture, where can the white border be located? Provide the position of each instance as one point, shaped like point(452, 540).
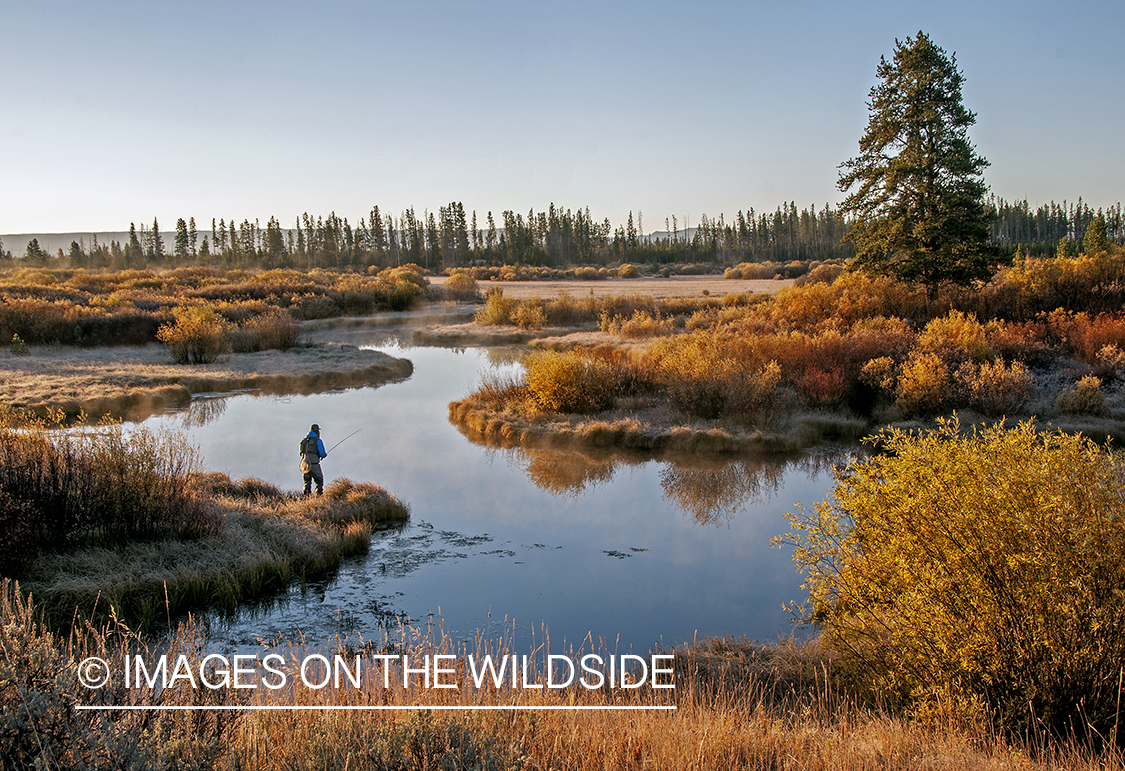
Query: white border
point(372, 708)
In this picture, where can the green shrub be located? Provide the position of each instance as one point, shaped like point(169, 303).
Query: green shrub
point(198, 335)
point(570, 382)
point(985, 570)
point(18, 347)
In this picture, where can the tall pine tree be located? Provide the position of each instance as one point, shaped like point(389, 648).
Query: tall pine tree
point(918, 198)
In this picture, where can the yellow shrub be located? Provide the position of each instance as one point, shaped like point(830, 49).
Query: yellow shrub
point(198, 335)
point(570, 382)
point(956, 338)
point(498, 309)
point(710, 376)
point(530, 314)
point(985, 566)
point(640, 324)
point(461, 285)
point(923, 384)
point(879, 373)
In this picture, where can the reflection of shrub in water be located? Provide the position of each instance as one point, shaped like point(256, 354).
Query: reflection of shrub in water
point(566, 473)
point(713, 492)
point(200, 412)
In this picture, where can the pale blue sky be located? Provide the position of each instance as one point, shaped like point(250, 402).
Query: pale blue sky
point(122, 111)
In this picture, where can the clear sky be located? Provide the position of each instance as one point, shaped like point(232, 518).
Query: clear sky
point(112, 112)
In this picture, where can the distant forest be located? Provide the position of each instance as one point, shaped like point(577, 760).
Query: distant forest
point(449, 239)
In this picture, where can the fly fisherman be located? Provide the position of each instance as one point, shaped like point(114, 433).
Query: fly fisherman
point(312, 450)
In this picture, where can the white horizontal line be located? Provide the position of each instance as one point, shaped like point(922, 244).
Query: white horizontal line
point(364, 708)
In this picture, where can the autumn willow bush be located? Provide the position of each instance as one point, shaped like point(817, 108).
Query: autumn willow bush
point(976, 573)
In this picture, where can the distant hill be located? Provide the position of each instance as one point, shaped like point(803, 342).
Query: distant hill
point(16, 243)
point(656, 235)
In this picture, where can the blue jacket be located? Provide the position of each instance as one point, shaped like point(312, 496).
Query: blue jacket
point(319, 444)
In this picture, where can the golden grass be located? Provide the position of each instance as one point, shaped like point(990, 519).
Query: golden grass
point(265, 539)
point(137, 381)
point(739, 705)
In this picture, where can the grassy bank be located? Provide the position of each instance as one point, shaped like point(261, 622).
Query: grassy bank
point(264, 539)
point(135, 382)
point(738, 705)
point(100, 520)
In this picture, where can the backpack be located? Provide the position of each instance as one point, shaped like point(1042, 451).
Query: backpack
point(308, 450)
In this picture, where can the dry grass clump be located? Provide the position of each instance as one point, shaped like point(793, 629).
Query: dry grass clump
point(996, 389)
point(275, 330)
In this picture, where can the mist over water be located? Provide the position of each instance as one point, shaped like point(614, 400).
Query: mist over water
point(629, 550)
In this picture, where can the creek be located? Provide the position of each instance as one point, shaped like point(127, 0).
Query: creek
point(630, 552)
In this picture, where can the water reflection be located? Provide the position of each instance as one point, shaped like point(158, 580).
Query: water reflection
point(203, 410)
point(710, 489)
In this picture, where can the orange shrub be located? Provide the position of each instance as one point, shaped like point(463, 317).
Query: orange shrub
point(823, 388)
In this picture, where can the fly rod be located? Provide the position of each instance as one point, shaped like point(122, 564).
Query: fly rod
point(346, 438)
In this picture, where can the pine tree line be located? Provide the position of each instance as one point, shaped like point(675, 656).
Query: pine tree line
point(1041, 230)
point(556, 237)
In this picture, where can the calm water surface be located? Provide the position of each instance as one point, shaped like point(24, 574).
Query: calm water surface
point(631, 551)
